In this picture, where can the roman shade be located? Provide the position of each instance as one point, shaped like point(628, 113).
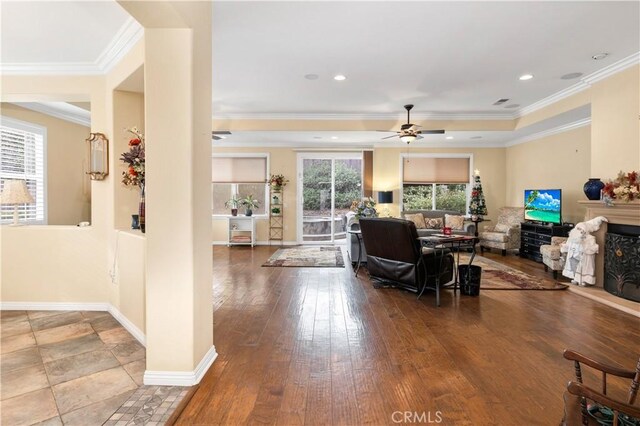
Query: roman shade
point(239, 169)
point(421, 170)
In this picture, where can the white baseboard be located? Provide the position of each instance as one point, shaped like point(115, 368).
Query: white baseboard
point(181, 378)
point(63, 306)
point(128, 325)
point(53, 306)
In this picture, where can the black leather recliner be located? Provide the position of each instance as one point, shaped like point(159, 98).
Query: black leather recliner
point(395, 256)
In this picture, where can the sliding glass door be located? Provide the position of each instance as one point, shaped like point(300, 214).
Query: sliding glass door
point(327, 185)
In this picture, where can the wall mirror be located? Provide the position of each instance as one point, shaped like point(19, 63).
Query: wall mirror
point(43, 143)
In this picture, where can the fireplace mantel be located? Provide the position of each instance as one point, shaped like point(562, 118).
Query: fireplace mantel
point(621, 213)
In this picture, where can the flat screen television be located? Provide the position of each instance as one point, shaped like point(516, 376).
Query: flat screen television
point(543, 205)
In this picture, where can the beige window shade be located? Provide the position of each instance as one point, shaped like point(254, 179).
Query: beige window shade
point(419, 170)
point(239, 170)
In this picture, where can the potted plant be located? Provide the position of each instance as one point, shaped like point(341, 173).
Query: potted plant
point(275, 211)
point(233, 204)
point(277, 182)
point(249, 204)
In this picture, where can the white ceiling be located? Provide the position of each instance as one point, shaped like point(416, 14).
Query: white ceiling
point(452, 57)
point(448, 58)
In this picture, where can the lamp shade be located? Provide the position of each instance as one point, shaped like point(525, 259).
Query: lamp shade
point(385, 197)
point(15, 192)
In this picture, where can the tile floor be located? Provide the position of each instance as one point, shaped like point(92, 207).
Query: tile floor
point(60, 367)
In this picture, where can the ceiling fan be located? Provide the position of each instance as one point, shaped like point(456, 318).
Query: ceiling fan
point(410, 132)
point(216, 135)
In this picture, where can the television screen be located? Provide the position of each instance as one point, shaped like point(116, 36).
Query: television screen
point(543, 205)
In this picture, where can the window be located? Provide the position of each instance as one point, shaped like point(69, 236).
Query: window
point(436, 183)
point(239, 176)
point(22, 156)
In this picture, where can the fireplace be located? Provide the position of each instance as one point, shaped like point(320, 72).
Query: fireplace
point(622, 261)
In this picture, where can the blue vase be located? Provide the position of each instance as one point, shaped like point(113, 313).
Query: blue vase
point(592, 188)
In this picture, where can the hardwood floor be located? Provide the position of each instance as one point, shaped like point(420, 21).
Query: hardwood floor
point(319, 346)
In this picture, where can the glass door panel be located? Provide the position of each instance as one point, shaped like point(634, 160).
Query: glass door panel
point(348, 187)
point(317, 200)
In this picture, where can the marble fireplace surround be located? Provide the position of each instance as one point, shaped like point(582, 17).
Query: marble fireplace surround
point(620, 213)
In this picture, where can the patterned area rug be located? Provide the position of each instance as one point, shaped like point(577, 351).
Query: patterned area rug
point(307, 257)
point(496, 276)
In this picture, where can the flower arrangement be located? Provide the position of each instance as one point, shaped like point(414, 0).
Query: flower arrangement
point(134, 159)
point(364, 208)
point(625, 187)
point(277, 181)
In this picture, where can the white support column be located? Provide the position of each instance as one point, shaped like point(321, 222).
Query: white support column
point(179, 319)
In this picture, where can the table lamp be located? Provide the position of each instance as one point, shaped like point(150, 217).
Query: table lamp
point(15, 193)
point(385, 197)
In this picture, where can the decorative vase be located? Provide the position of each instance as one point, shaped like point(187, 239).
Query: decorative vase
point(234, 212)
point(592, 188)
point(135, 221)
point(141, 210)
point(276, 188)
point(248, 212)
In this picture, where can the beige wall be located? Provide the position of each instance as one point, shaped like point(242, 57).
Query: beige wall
point(68, 187)
point(386, 176)
point(489, 161)
point(558, 161)
point(283, 161)
point(615, 124)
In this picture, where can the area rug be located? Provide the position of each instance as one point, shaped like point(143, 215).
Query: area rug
point(496, 276)
point(307, 257)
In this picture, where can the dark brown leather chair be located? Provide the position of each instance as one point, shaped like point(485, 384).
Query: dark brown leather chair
point(395, 256)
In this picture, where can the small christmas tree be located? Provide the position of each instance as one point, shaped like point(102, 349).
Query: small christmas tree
point(477, 206)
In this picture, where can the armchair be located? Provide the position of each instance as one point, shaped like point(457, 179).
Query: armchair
point(395, 256)
point(505, 235)
point(552, 257)
point(578, 412)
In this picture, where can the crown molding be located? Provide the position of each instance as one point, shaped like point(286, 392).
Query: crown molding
point(614, 68)
point(126, 37)
point(47, 68)
point(350, 146)
point(63, 111)
point(550, 132)
point(583, 84)
point(452, 116)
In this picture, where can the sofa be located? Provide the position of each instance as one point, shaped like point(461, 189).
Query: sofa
point(469, 227)
point(395, 256)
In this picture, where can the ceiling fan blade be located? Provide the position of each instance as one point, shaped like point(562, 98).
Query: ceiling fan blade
point(216, 135)
point(392, 136)
point(432, 132)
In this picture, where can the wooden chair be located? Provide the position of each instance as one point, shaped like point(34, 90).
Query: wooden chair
point(577, 394)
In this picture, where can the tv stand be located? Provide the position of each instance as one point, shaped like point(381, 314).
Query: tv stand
point(533, 235)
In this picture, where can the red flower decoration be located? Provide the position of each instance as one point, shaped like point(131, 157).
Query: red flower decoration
point(132, 171)
point(134, 142)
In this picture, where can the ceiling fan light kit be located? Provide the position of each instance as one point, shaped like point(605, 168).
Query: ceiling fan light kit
point(409, 132)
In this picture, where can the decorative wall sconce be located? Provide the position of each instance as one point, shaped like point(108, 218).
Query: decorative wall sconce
point(98, 152)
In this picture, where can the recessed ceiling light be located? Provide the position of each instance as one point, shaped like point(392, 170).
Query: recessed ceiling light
point(340, 77)
point(449, 137)
point(311, 76)
point(571, 76)
point(334, 137)
point(512, 106)
point(599, 56)
point(526, 77)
